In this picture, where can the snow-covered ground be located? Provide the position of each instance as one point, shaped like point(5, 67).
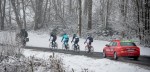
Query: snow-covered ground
point(39, 40)
point(80, 63)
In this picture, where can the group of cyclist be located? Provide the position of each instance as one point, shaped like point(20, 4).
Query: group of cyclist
point(75, 39)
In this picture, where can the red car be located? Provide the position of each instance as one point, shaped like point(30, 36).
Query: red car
point(118, 48)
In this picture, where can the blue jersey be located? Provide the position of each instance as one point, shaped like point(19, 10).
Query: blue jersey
point(65, 37)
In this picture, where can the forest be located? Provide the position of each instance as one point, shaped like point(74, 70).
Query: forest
point(101, 18)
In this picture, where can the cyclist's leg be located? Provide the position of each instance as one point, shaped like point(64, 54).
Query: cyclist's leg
point(90, 46)
point(76, 43)
point(65, 44)
point(52, 42)
point(90, 43)
point(87, 46)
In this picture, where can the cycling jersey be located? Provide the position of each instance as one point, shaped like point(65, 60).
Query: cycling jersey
point(89, 40)
point(65, 39)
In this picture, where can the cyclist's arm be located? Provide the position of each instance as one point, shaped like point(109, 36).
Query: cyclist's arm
point(72, 39)
point(86, 40)
point(62, 39)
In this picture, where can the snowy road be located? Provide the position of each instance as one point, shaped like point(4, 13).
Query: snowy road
point(143, 60)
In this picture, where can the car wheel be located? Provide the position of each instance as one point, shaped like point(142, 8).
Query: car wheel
point(104, 54)
point(115, 56)
point(136, 58)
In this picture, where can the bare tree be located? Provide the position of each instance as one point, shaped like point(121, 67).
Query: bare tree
point(80, 17)
point(0, 12)
point(70, 6)
point(44, 15)
point(14, 3)
point(85, 7)
point(90, 14)
point(24, 14)
point(2, 7)
point(38, 14)
point(10, 12)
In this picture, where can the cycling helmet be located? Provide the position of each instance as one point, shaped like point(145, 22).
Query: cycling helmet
point(65, 33)
point(74, 34)
point(89, 35)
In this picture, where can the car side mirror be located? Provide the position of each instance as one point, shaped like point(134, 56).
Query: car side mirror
point(107, 45)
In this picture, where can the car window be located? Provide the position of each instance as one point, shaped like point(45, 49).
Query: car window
point(127, 44)
point(111, 43)
point(114, 44)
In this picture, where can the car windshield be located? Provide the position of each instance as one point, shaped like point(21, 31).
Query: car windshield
point(127, 44)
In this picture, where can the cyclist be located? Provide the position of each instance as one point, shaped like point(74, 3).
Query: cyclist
point(90, 40)
point(75, 38)
point(24, 36)
point(65, 39)
point(24, 33)
point(53, 34)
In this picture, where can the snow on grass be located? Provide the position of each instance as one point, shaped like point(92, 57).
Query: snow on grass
point(42, 40)
point(7, 37)
point(81, 63)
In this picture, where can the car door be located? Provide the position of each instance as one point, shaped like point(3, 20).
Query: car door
point(112, 48)
point(108, 49)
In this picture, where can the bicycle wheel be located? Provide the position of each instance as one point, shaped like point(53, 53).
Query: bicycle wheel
point(50, 45)
point(72, 47)
point(67, 47)
point(92, 49)
point(56, 45)
point(63, 46)
point(86, 48)
point(78, 48)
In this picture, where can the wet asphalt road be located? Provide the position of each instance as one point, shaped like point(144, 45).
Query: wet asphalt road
point(143, 60)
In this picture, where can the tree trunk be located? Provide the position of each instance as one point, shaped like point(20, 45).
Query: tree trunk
point(16, 14)
point(33, 5)
point(85, 9)
point(9, 13)
point(106, 15)
point(89, 14)
point(38, 14)
point(80, 17)
point(24, 14)
point(0, 13)
point(70, 6)
point(3, 15)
